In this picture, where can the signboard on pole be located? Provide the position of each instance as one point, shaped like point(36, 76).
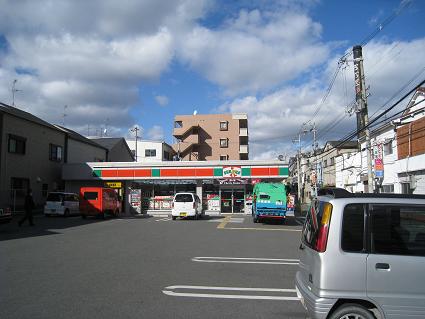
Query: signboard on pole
point(378, 160)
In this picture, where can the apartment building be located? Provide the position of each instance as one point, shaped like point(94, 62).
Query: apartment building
point(206, 137)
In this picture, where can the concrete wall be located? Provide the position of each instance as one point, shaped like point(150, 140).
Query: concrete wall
point(79, 152)
point(34, 164)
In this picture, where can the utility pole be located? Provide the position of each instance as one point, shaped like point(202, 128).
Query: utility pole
point(302, 131)
point(362, 114)
point(136, 131)
point(314, 130)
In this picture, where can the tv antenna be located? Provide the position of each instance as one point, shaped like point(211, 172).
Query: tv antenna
point(14, 90)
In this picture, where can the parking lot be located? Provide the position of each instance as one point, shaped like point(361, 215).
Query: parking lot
point(154, 267)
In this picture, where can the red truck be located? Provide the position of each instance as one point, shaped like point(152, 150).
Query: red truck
point(99, 201)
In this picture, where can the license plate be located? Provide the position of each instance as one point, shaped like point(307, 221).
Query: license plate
point(290, 213)
point(183, 214)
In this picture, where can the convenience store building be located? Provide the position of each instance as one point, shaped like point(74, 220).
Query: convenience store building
point(223, 186)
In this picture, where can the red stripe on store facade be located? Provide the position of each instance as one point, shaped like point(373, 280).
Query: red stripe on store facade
point(109, 173)
point(260, 171)
point(142, 173)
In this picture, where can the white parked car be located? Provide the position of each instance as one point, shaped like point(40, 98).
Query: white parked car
point(60, 203)
point(186, 205)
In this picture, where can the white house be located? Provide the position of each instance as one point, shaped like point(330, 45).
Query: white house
point(151, 151)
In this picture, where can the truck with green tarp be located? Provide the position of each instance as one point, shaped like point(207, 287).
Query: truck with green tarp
point(269, 202)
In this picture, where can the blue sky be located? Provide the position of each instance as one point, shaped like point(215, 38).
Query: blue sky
point(145, 62)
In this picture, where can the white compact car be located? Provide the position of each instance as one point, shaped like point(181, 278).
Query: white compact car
point(186, 205)
point(60, 203)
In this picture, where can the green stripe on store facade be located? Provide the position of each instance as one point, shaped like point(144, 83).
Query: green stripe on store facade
point(246, 171)
point(284, 171)
point(97, 173)
point(218, 171)
point(156, 172)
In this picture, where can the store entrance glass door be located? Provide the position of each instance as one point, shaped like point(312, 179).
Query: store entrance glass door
point(232, 201)
point(226, 201)
point(238, 201)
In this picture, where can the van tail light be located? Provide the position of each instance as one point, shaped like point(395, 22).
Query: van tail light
point(194, 205)
point(322, 239)
point(172, 204)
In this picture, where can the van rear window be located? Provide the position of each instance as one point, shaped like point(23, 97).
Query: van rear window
point(181, 198)
point(311, 227)
point(90, 195)
point(54, 197)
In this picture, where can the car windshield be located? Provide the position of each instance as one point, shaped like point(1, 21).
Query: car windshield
point(54, 197)
point(181, 198)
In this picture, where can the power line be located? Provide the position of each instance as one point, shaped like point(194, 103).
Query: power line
point(353, 134)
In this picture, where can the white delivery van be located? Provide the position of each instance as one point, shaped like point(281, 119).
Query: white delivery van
point(186, 205)
point(60, 203)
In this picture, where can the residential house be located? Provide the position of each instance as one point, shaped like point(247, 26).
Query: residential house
point(118, 149)
point(151, 151)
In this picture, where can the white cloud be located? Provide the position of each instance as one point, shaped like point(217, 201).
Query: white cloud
point(255, 51)
point(161, 100)
point(275, 119)
point(89, 56)
point(156, 133)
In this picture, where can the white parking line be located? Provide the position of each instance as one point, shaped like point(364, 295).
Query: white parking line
point(169, 291)
point(163, 219)
point(243, 260)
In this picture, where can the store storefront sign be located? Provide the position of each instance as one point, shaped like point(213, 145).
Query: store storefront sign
point(113, 184)
point(232, 171)
point(233, 181)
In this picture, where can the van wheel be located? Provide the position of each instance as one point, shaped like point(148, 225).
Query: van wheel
point(66, 213)
point(352, 311)
point(255, 219)
point(173, 217)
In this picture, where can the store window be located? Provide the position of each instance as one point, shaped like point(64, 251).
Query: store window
point(224, 142)
point(16, 144)
point(150, 153)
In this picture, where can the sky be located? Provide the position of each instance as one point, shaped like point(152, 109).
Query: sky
point(119, 64)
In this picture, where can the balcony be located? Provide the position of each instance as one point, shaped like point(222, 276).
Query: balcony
point(186, 144)
point(181, 131)
point(243, 131)
point(243, 149)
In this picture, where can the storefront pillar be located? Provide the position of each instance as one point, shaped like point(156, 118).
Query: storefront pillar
point(126, 198)
point(199, 189)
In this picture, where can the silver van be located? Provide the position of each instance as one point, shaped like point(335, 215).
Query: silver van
point(363, 256)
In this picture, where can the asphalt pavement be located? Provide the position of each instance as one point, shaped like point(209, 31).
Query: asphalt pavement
point(149, 268)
